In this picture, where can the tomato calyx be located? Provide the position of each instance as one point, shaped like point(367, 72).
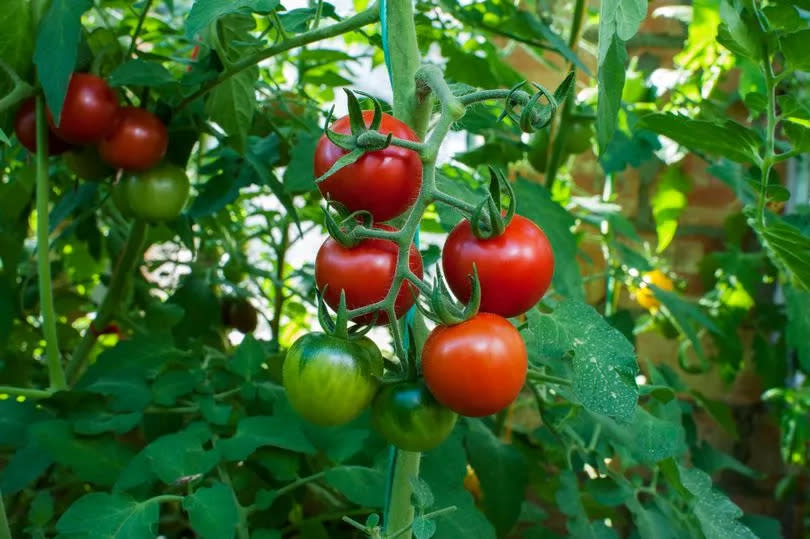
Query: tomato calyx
point(443, 309)
point(535, 115)
point(339, 326)
point(345, 231)
point(489, 219)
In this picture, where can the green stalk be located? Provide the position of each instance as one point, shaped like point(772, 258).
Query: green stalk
point(278, 283)
point(133, 44)
point(405, 61)
point(5, 530)
point(770, 129)
point(56, 375)
point(27, 392)
point(359, 20)
point(121, 274)
point(399, 511)
point(611, 283)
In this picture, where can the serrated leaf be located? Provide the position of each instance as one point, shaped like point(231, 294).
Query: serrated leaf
point(248, 358)
point(98, 422)
point(362, 486)
point(259, 431)
point(740, 31)
point(56, 49)
point(213, 512)
point(140, 72)
point(232, 105)
point(798, 131)
point(99, 515)
point(786, 245)
point(27, 464)
point(299, 176)
point(718, 516)
point(797, 304)
point(204, 12)
point(794, 47)
point(728, 139)
point(177, 456)
point(173, 384)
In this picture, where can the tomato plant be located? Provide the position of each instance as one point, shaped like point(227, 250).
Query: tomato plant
point(330, 380)
point(365, 273)
point(384, 183)
point(409, 417)
point(475, 368)
point(86, 164)
point(238, 313)
point(523, 248)
point(88, 112)
point(158, 194)
point(138, 141)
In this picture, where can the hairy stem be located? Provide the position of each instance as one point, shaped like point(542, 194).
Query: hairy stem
point(359, 20)
point(770, 136)
point(138, 27)
point(399, 511)
point(109, 305)
point(56, 374)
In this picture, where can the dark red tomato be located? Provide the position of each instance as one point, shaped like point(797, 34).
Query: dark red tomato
point(408, 416)
point(365, 273)
point(514, 268)
point(88, 112)
point(475, 368)
point(25, 126)
point(385, 182)
point(137, 142)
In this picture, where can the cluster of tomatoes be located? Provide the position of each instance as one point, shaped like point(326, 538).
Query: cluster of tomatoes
point(98, 136)
point(474, 368)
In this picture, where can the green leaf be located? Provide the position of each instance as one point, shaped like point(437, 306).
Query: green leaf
point(794, 47)
point(260, 431)
point(629, 16)
point(213, 512)
point(173, 384)
point(653, 439)
point(786, 245)
point(423, 528)
point(740, 30)
point(503, 473)
point(728, 139)
point(798, 131)
point(668, 203)
point(422, 495)
point(651, 523)
point(299, 177)
point(797, 304)
point(140, 72)
point(16, 49)
point(218, 414)
point(718, 516)
point(26, 465)
point(100, 421)
point(179, 456)
point(95, 460)
point(610, 78)
point(232, 105)
point(534, 202)
point(248, 359)
point(15, 418)
point(569, 501)
point(362, 486)
point(56, 49)
point(204, 12)
point(99, 515)
point(41, 510)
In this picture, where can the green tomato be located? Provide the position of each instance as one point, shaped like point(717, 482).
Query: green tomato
point(408, 416)
point(118, 193)
point(330, 380)
point(538, 150)
point(87, 165)
point(157, 194)
point(578, 137)
point(233, 271)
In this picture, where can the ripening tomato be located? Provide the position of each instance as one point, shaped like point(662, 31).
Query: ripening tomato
point(137, 142)
point(537, 154)
point(158, 194)
point(86, 164)
point(365, 272)
point(240, 314)
point(25, 126)
point(385, 182)
point(89, 110)
point(514, 269)
point(645, 296)
point(578, 137)
point(475, 368)
point(329, 380)
point(409, 417)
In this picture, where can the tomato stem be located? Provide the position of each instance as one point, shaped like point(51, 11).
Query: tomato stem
point(27, 392)
point(20, 91)
point(399, 511)
point(5, 530)
point(138, 26)
point(56, 374)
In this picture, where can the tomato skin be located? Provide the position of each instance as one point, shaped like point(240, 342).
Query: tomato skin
point(578, 137)
point(645, 295)
point(89, 110)
point(365, 273)
point(514, 269)
point(239, 314)
point(137, 142)
point(385, 182)
point(85, 163)
point(330, 381)
point(25, 126)
point(157, 194)
point(475, 368)
point(538, 151)
point(408, 416)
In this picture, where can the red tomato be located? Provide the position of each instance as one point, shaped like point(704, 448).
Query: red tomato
point(475, 368)
point(365, 273)
point(385, 182)
point(25, 125)
point(88, 112)
point(137, 142)
point(514, 268)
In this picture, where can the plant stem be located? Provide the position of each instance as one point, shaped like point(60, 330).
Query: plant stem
point(324, 517)
point(242, 526)
point(56, 374)
point(537, 376)
point(20, 91)
point(399, 511)
point(5, 530)
point(611, 282)
point(354, 22)
point(163, 498)
point(278, 283)
point(405, 61)
point(770, 129)
point(132, 44)
point(26, 392)
point(121, 275)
